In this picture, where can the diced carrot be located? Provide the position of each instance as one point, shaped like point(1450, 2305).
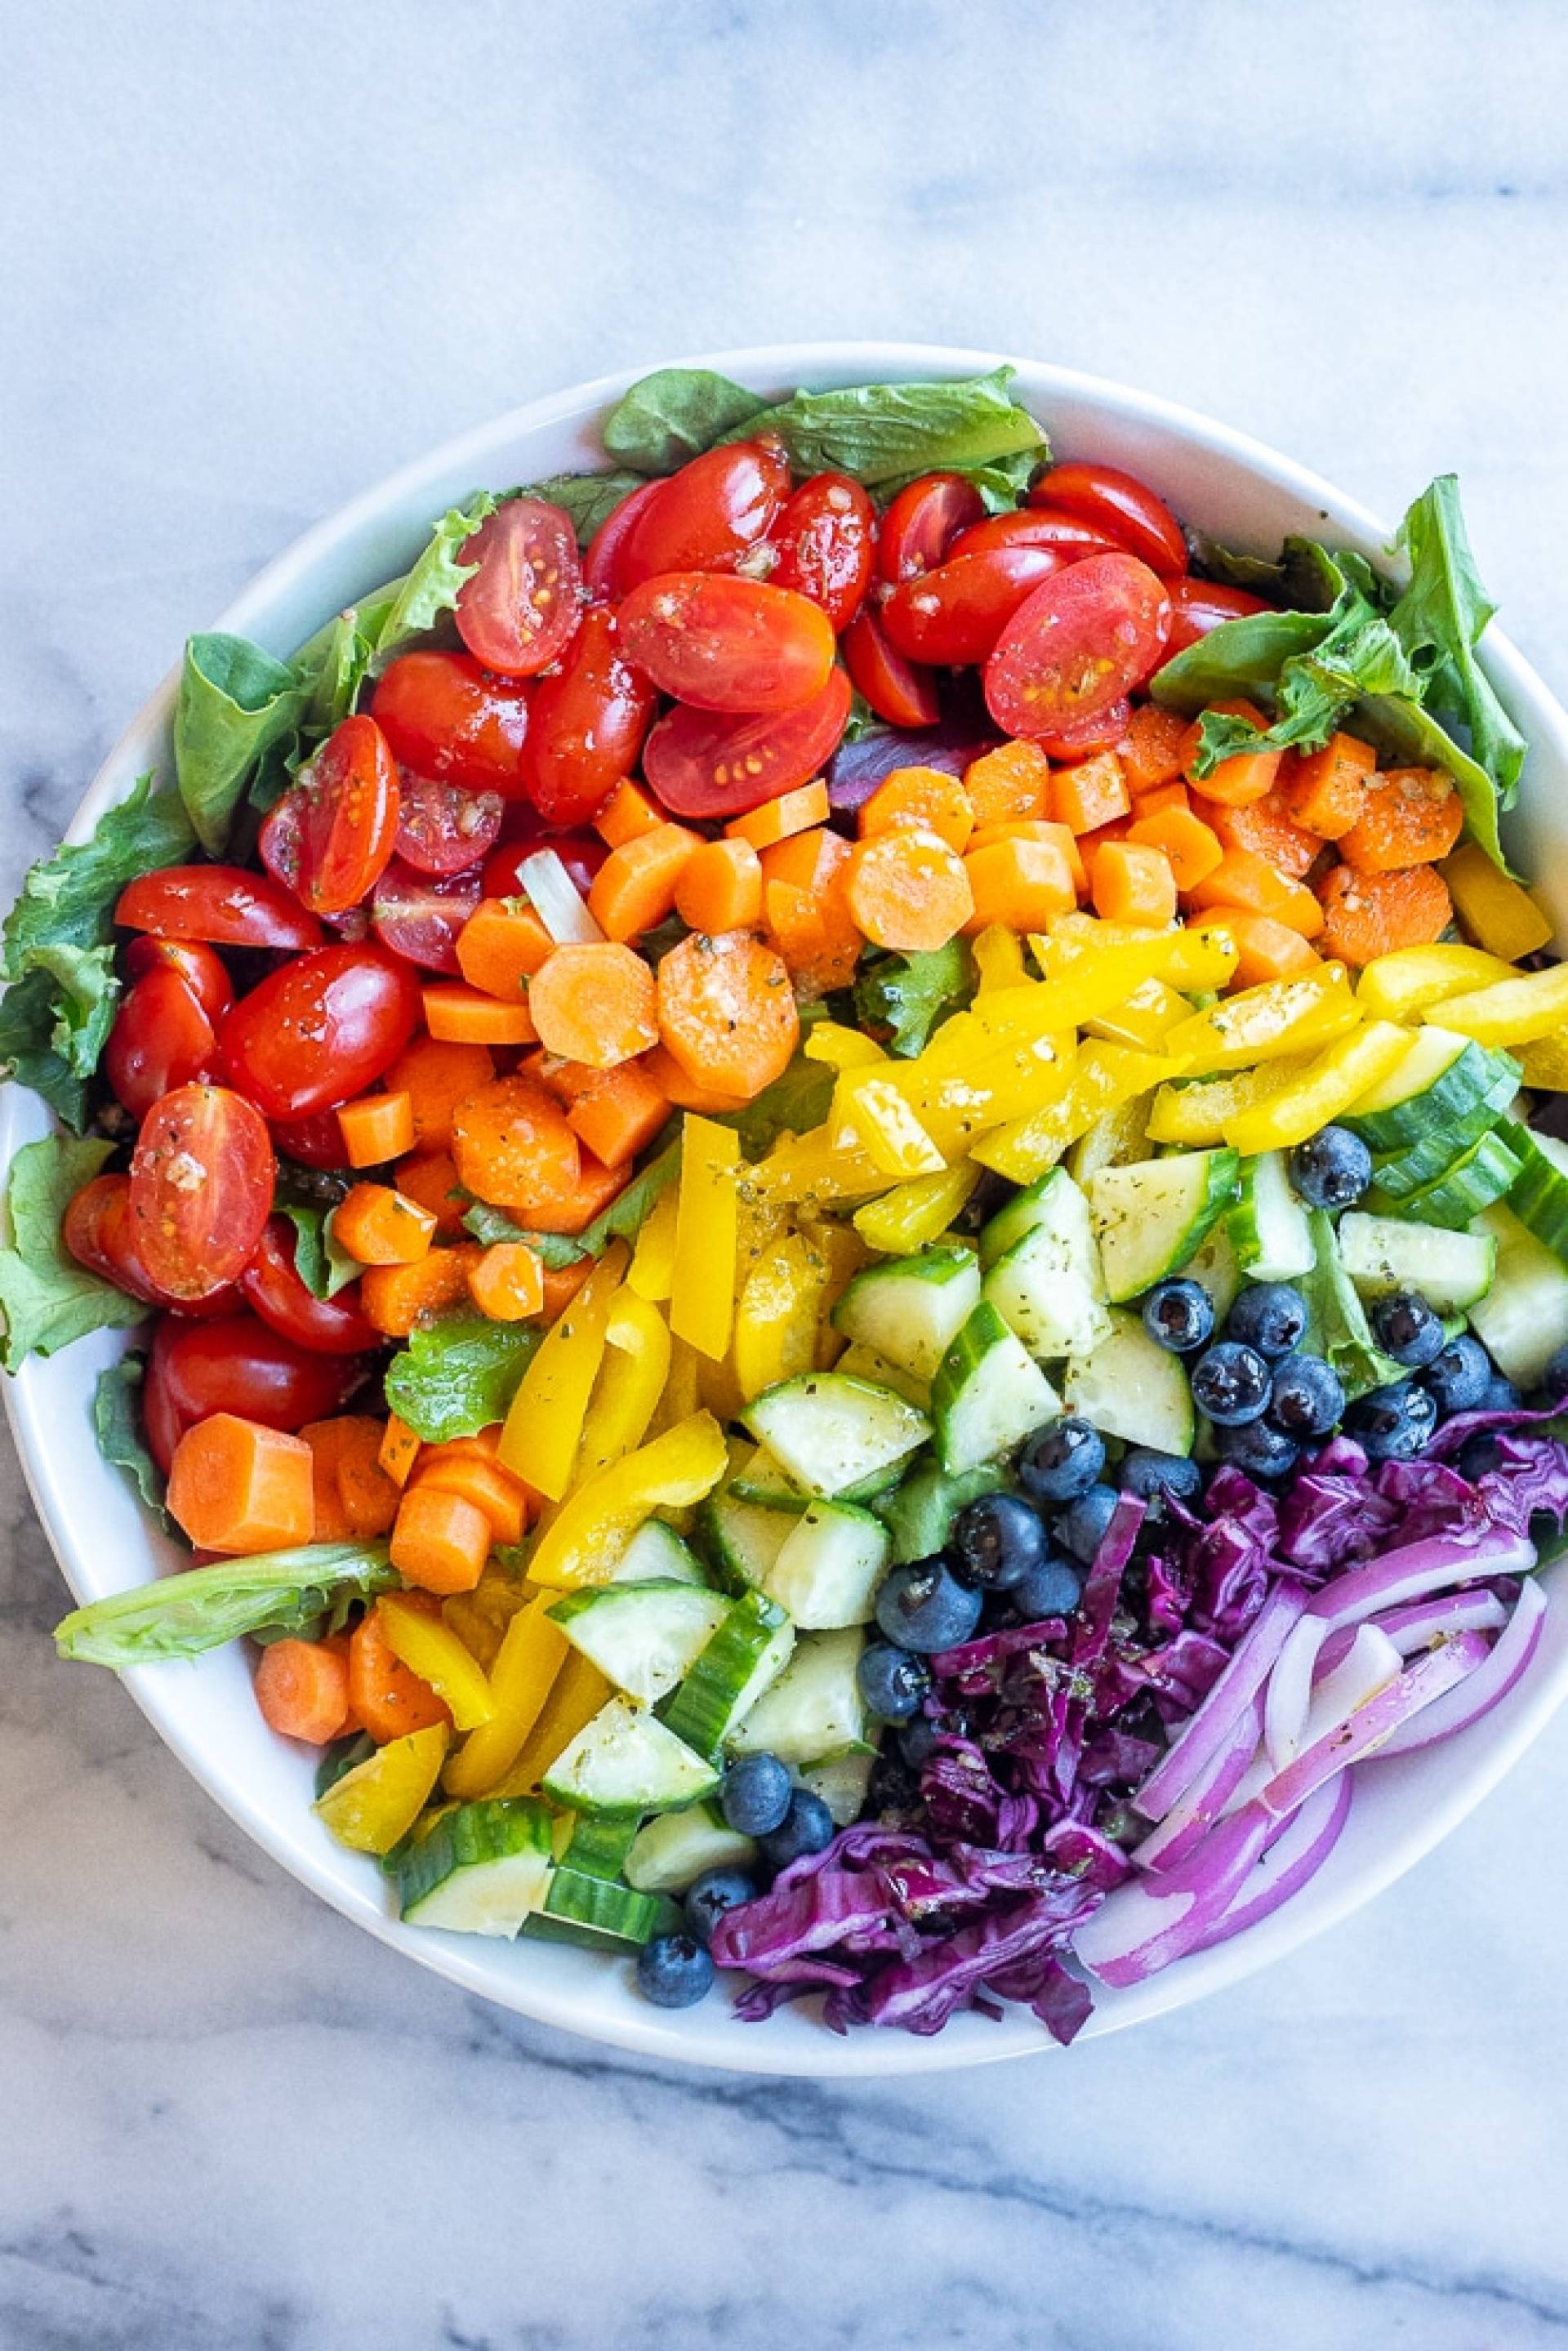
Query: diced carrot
point(1185, 839)
point(1091, 794)
point(399, 1449)
point(775, 820)
point(1411, 816)
point(908, 891)
point(502, 1498)
point(568, 1211)
point(1244, 879)
point(513, 1146)
point(236, 1486)
point(595, 1004)
point(302, 1689)
point(924, 798)
point(381, 1227)
point(459, 1015)
point(682, 1091)
point(437, 1076)
point(1267, 829)
point(1265, 949)
point(635, 886)
point(562, 1283)
point(1022, 884)
point(440, 1542)
point(1324, 790)
point(390, 1699)
point(1163, 797)
point(501, 946)
point(816, 937)
point(376, 1128)
point(720, 887)
point(616, 1113)
point(808, 861)
point(507, 1284)
point(431, 1179)
point(726, 1011)
point(398, 1298)
point(346, 1453)
point(1134, 884)
point(1061, 836)
point(331, 1516)
point(1010, 782)
point(1370, 914)
point(1151, 749)
point(626, 813)
point(1245, 777)
point(1090, 844)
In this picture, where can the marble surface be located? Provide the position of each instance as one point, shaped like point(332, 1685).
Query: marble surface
point(258, 256)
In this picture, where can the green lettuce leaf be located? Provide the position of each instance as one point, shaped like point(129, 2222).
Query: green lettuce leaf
point(1001, 484)
point(910, 994)
point(794, 1103)
point(117, 1424)
point(459, 1375)
point(1337, 1327)
point(1440, 619)
point(46, 1298)
point(622, 1220)
point(882, 431)
point(588, 498)
point(236, 702)
point(271, 1593)
point(321, 1260)
point(674, 414)
point(28, 1018)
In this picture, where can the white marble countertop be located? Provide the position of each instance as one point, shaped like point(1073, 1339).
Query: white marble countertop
point(257, 256)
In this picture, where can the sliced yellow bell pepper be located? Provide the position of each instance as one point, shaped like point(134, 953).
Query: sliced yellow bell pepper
point(431, 1649)
point(837, 1047)
point(480, 1617)
point(999, 959)
point(905, 1218)
point(1116, 1138)
point(955, 1104)
point(1513, 1012)
point(593, 1525)
point(1396, 987)
point(632, 1379)
point(1503, 917)
point(653, 1268)
point(1105, 1075)
point(1196, 1112)
point(521, 1679)
point(379, 1799)
point(1202, 957)
point(811, 1171)
point(544, 1426)
point(1278, 1016)
point(887, 1129)
point(776, 1319)
point(702, 1295)
point(577, 1692)
point(1544, 1063)
point(1332, 1083)
point(1145, 1019)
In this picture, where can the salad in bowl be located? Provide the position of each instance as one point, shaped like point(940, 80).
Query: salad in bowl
point(829, 1158)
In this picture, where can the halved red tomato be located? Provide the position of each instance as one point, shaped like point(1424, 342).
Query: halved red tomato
point(238, 1364)
point(222, 905)
point(1090, 731)
point(315, 1142)
point(601, 563)
point(896, 690)
point(1126, 508)
point(272, 1286)
point(1084, 637)
point(446, 717)
point(724, 643)
point(201, 1188)
point(519, 611)
point(161, 1038)
point(330, 835)
point(710, 516)
point(1036, 527)
point(826, 539)
point(588, 724)
point(1199, 605)
point(704, 765)
point(442, 829)
point(419, 916)
point(581, 853)
point(321, 1031)
point(204, 972)
point(922, 522)
point(956, 612)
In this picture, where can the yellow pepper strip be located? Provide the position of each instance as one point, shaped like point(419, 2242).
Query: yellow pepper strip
point(1502, 917)
point(539, 1440)
point(998, 1078)
point(702, 1294)
point(653, 1268)
point(631, 1381)
point(480, 1617)
point(1106, 1076)
point(593, 1525)
point(430, 1648)
point(531, 1654)
point(1514, 1012)
point(1396, 987)
point(905, 1218)
point(379, 1799)
point(1334, 1081)
point(777, 1319)
point(1278, 1016)
point(839, 1048)
point(1545, 1064)
point(1145, 1019)
point(1195, 959)
point(1116, 1138)
point(812, 1170)
point(883, 1126)
point(1197, 1112)
point(680, 1398)
point(999, 959)
point(580, 1689)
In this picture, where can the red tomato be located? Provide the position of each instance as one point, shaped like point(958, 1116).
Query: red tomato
point(702, 765)
point(602, 564)
point(923, 521)
point(446, 717)
point(97, 1231)
point(588, 724)
point(1036, 527)
point(1096, 730)
point(202, 971)
point(222, 904)
point(161, 1424)
point(956, 612)
point(315, 1142)
point(897, 690)
point(517, 612)
point(581, 853)
point(724, 643)
point(1199, 605)
point(330, 835)
point(709, 515)
point(241, 1366)
point(826, 539)
point(1081, 641)
point(442, 829)
point(161, 1038)
point(271, 1285)
point(1121, 506)
point(321, 1031)
point(419, 916)
point(201, 1188)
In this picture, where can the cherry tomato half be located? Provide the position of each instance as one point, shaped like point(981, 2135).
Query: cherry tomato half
point(96, 1229)
point(588, 724)
point(1124, 507)
point(519, 611)
point(241, 1364)
point(419, 916)
point(709, 515)
point(601, 563)
point(956, 612)
point(446, 717)
point(204, 972)
point(321, 1031)
point(1081, 640)
point(581, 853)
point(897, 690)
point(724, 643)
point(442, 829)
point(826, 539)
point(315, 1142)
point(330, 835)
point(201, 1188)
point(161, 1038)
point(272, 1288)
point(222, 905)
point(702, 765)
point(1036, 527)
point(923, 521)
point(1199, 605)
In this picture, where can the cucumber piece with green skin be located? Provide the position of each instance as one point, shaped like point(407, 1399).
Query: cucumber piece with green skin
point(1452, 1270)
point(842, 1785)
point(908, 1307)
point(1151, 1217)
point(814, 1708)
point(1523, 1317)
point(643, 1637)
point(744, 1538)
point(1053, 1203)
point(627, 1761)
point(656, 1554)
point(1268, 1225)
point(1049, 1285)
point(988, 1395)
point(1488, 1172)
point(755, 1476)
point(600, 1905)
point(919, 1513)
point(831, 1433)
point(1214, 1266)
point(827, 1573)
point(745, 1656)
point(481, 1868)
point(599, 1848)
point(859, 1363)
point(1445, 1085)
point(671, 1853)
point(1431, 1155)
point(542, 1927)
point(1132, 1388)
point(1539, 1195)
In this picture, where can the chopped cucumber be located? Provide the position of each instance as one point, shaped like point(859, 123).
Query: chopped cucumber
point(858, 1362)
point(814, 1708)
point(1150, 1217)
point(1451, 1270)
point(1048, 1284)
point(643, 1637)
point(1488, 1172)
point(909, 1308)
point(599, 1847)
point(831, 1562)
point(919, 1513)
point(1214, 1266)
point(668, 1853)
point(755, 1476)
point(1445, 1085)
point(1269, 1227)
point(1052, 1200)
point(656, 1554)
point(744, 1538)
point(1540, 1195)
point(481, 1869)
point(626, 1760)
point(988, 1395)
point(830, 1432)
point(1132, 1388)
point(747, 1654)
point(1523, 1317)
point(600, 1904)
point(1116, 1137)
point(842, 1785)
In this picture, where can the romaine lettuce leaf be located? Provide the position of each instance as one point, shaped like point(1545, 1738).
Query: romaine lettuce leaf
point(1440, 619)
point(28, 1018)
point(622, 1220)
point(271, 1593)
point(797, 1100)
point(459, 1375)
point(48, 1299)
point(588, 498)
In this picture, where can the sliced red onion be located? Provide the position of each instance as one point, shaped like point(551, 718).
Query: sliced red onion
point(1372, 1724)
point(1492, 1679)
point(1195, 1812)
point(1366, 1663)
point(1417, 1571)
point(1420, 1622)
point(557, 900)
point(1296, 1854)
point(1206, 1730)
point(1290, 1690)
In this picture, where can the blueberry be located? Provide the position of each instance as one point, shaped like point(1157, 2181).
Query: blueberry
point(1500, 1395)
point(1456, 1379)
point(892, 1682)
point(756, 1794)
point(807, 1827)
point(917, 1741)
point(996, 1539)
point(1178, 1314)
point(1142, 1470)
point(711, 1895)
point(1260, 1450)
point(924, 1606)
point(1269, 1317)
point(1232, 1383)
point(1054, 1588)
point(1308, 1398)
point(1554, 1378)
point(1081, 1527)
point(675, 1971)
point(1393, 1424)
point(1061, 1460)
point(1407, 1329)
point(1332, 1168)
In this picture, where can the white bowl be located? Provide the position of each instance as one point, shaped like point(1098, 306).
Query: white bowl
point(1231, 485)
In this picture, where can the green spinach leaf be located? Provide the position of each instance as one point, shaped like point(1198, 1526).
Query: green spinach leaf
point(588, 498)
point(46, 1298)
point(674, 414)
point(882, 431)
point(459, 1375)
point(117, 1424)
point(1440, 619)
point(909, 994)
point(321, 1260)
point(272, 1592)
point(794, 1103)
point(622, 1220)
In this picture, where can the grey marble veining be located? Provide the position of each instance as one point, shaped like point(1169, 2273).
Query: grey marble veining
point(254, 258)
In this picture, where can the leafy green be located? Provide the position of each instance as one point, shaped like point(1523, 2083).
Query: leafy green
point(622, 1220)
point(459, 1375)
point(1001, 484)
point(28, 1017)
point(236, 701)
point(46, 1298)
point(342, 1757)
point(1440, 619)
point(1240, 660)
point(1234, 567)
point(883, 432)
point(271, 1593)
point(1337, 1327)
point(588, 498)
point(673, 414)
point(909, 994)
point(1409, 732)
point(321, 1260)
point(489, 1224)
point(794, 1103)
point(117, 1424)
